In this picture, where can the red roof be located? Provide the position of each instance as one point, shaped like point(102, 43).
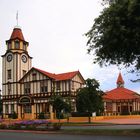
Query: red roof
point(17, 33)
point(66, 76)
point(120, 94)
point(120, 79)
point(51, 75)
point(62, 76)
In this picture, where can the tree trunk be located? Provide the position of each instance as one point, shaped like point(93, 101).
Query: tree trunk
point(89, 120)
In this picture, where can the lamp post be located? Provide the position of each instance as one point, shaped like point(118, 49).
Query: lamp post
point(0, 104)
point(0, 94)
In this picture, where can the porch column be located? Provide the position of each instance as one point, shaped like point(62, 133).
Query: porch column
point(104, 108)
point(51, 112)
point(134, 107)
point(33, 111)
point(129, 108)
point(4, 111)
point(19, 112)
point(120, 108)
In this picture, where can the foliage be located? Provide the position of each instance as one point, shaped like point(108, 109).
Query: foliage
point(32, 125)
point(89, 98)
point(115, 35)
point(59, 105)
point(80, 114)
point(57, 126)
point(14, 115)
point(41, 115)
point(0, 105)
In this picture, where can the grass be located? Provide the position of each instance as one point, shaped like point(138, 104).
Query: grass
point(85, 123)
point(124, 132)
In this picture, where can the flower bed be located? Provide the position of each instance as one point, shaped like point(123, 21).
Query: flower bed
point(1, 120)
point(32, 125)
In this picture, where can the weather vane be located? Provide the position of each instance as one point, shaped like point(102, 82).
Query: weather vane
point(17, 18)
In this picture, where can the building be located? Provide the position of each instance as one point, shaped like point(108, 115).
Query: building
point(121, 101)
point(26, 90)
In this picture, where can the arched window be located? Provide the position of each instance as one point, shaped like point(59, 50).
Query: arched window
point(16, 44)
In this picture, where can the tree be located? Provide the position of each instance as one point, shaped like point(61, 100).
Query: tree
point(0, 104)
point(89, 98)
point(115, 35)
point(59, 105)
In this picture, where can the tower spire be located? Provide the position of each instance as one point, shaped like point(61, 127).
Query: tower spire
point(120, 81)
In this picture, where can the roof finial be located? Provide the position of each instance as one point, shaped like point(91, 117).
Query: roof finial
point(17, 26)
point(17, 18)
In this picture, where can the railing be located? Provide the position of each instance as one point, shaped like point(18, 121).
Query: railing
point(42, 95)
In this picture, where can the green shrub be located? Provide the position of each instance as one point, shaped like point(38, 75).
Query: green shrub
point(14, 115)
point(125, 113)
point(41, 115)
point(59, 115)
point(3, 126)
point(80, 114)
point(57, 126)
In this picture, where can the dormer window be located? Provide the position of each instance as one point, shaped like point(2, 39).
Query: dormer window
point(9, 46)
point(16, 44)
point(24, 46)
point(34, 77)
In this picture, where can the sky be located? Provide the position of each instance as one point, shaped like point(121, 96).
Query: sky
point(55, 31)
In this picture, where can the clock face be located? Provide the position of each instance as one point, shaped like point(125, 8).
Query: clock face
point(24, 58)
point(9, 57)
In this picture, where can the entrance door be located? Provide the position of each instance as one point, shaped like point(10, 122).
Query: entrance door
point(124, 110)
point(27, 109)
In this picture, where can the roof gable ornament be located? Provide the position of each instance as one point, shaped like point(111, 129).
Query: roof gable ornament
point(17, 21)
point(120, 81)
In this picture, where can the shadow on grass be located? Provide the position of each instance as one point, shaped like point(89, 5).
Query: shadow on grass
point(124, 132)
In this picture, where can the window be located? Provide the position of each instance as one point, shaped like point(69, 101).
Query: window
point(6, 109)
point(16, 44)
point(12, 108)
point(9, 74)
point(72, 84)
point(131, 109)
point(118, 108)
point(65, 86)
point(58, 85)
point(34, 76)
point(9, 88)
point(9, 46)
point(27, 88)
point(24, 47)
point(27, 108)
point(43, 87)
point(24, 72)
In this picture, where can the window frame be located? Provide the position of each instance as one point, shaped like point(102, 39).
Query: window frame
point(9, 74)
point(27, 88)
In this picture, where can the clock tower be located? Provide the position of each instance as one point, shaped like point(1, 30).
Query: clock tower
point(16, 62)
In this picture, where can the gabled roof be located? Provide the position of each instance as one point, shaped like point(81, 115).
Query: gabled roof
point(66, 76)
point(51, 75)
point(61, 76)
point(121, 93)
point(57, 77)
point(120, 79)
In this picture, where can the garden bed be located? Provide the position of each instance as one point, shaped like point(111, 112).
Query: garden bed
point(42, 125)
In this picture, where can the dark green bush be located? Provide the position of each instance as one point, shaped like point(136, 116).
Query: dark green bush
point(57, 126)
point(41, 115)
point(14, 115)
point(125, 113)
point(80, 114)
point(3, 126)
point(59, 115)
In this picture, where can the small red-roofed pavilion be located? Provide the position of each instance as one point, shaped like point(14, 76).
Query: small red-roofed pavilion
point(121, 101)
